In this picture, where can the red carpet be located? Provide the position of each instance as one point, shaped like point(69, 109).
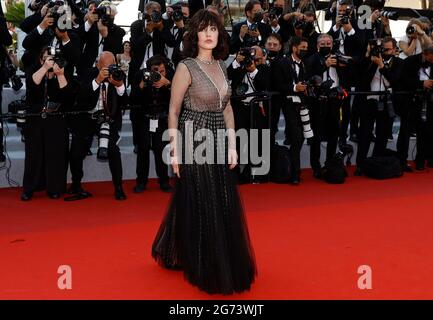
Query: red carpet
point(309, 242)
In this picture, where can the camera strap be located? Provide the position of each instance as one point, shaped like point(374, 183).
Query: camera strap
point(104, 99)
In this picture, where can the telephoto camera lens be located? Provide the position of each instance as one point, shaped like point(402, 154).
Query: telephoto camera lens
point(104, 138)
point(306, 124)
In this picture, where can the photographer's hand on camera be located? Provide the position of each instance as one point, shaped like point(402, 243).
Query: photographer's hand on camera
point(378, 60)
point(47, 22)
point(44, 10)
point(116, 83)
point(163, 82)
point(331, 61)
point(301, 87)
point(48, 64)
point(91, 18)
point(244, 30)
point(102, 75)
point(428, 84)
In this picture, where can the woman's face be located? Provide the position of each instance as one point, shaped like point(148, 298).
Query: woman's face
point(126, 47)
point(208, 38)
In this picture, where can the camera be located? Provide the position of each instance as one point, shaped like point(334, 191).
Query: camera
point(345, 19)
point(411, 30)
point(273, 14)
point(104, 14)
point(104, 139)
point(241, 89)
point(249, 54)
point(258, 16)
point(116, 72)
point(53, 12)
point(150, 76)
point(313, 86)
point(392, 15)
point(9, 72)
point(300, 24)
point(58, 56)
point(156, 16)
point(306, 123)
point(376, 48)
point(177, 14)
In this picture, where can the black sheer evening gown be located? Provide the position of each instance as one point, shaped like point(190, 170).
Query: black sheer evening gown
point(204, 233)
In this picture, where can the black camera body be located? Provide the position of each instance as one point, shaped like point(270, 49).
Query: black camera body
point(376, 48)
point(116, 72)
point(156, 16)
point(177, 14)
point(58, 57)
point(150, 76)
point(249, 54)
point(104, 14)
point(411, 30)
point(300, 24)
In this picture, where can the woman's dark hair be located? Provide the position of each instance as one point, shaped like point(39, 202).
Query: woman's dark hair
point(43, 50)
point(123, 45)
point(200, 21)
point(250, 5)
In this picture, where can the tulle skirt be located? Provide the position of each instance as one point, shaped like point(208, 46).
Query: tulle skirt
point(204, 232)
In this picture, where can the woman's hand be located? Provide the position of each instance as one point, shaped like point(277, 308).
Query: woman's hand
point(58, 71)
point(175, 165)
point(233, 158)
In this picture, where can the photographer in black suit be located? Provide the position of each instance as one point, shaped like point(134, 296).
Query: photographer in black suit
point(249, 73)
point(99, 34)
point(153, 96)
point(178, 25)
point(251, 31)
point(48, 91)
point(103, 94)
point(5, 40)
point(382, 73)
point(349, 44)
point(324, 109)
point(289, 77)
point(417, 75)
point(50, 32)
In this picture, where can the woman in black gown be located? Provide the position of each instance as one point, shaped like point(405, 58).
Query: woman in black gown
point(204, 232)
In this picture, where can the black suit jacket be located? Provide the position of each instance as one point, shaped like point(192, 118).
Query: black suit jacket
point(196, 5)
point(284, 77)
point(88, 98)
point(5, 40)
point(31, 22)
point(113, 43)
point(261, 81)
point(34, 42)
point(410, 72)
point(139, 42)
point(392, 74)
point(236, 43)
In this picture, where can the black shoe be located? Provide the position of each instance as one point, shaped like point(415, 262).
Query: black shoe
point(26, 196)
point(2, 157)
point(53, 195)
point(139, 188)
point(75, 189)
point(407, 168)
point(119, 194)
point(420, 166)
point(165, 187)
point(430, 163)
point(317, 173)
point(295, 180)
point(358, 172)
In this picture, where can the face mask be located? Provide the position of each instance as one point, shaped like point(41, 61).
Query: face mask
point(258, 17)
point(325, 51)
point(302, 53)
point(278, 11)
point(386, 56)
point(272, 54)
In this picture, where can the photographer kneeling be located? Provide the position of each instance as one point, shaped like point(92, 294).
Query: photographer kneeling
point(153, 99)
point(48, 90)
point(103, 94)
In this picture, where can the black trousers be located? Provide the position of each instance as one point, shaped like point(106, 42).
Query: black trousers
point(278, 105)
point(147, 141)
point(325, 123)
point(46, 146)
point(424, 135)
point(251, 116)
point(295, 133)
point(84, 128)
point(369, 115)
point(408, 119)
point(1, 121)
